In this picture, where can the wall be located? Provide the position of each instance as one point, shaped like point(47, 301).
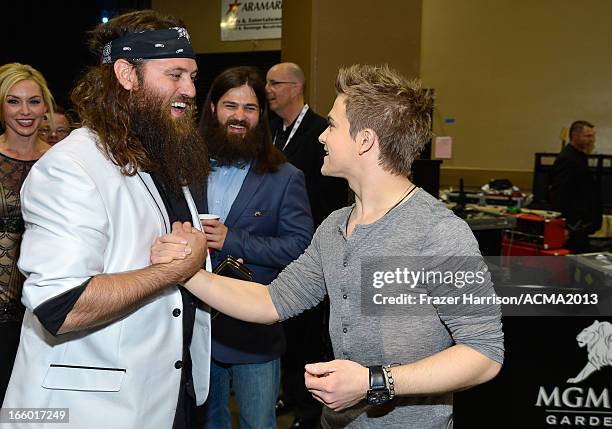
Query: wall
point(346, 32)
point(513, 74)
point(297, 42)
point(202, 19)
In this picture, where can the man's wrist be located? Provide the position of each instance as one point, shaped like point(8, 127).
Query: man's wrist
point(378, 392)
point(164, 275)
point(381, 384)
point(390, 382)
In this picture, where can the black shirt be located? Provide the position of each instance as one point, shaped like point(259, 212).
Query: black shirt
point(305, 152)
point(574, 192)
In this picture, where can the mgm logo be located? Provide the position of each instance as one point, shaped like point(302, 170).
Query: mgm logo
point(598, 340)
point(575, 406)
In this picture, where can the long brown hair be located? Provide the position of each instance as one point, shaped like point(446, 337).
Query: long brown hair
point(268, 157)
point(101, 101)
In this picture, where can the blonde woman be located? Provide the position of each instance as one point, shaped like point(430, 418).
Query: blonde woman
point(24, 99)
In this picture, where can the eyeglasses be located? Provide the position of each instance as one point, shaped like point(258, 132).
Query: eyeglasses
point(276, 83)
point(59, 131)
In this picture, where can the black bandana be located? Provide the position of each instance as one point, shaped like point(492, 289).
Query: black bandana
point(167, 43)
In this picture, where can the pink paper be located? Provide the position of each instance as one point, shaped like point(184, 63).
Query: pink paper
point(443, 147)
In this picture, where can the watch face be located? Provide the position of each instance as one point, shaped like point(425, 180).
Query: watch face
point(377, 398)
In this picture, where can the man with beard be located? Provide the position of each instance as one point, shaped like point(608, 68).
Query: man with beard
point(106, 335)
point(265, 219)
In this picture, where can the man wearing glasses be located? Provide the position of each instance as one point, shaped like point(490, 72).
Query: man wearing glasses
point(56, 129)
point(296, 133)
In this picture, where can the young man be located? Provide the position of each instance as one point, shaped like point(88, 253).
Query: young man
point(105, 335)
point(377, 125)
point(264, 219)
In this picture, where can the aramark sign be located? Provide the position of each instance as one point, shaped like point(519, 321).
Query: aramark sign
point(250, 20)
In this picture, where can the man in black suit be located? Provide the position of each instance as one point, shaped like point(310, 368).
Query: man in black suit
point(573, 191)
point(296, 133)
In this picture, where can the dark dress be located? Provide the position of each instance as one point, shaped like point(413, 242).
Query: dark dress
point(12, 174)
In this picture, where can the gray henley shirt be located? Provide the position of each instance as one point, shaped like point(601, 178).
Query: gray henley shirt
point(331, 265)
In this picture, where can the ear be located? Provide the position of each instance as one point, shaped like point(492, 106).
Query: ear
point(126, 74)
point(365, 140)
point(212, 107)
point(296, 90)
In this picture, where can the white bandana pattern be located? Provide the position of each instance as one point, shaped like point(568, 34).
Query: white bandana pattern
point(182, 32)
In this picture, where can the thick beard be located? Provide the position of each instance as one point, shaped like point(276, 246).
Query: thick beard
point(231, 149)
point(174, 146)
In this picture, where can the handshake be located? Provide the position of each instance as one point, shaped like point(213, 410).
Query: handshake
point(185, 250)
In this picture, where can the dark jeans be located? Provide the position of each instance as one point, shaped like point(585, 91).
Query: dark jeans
point(256, 387)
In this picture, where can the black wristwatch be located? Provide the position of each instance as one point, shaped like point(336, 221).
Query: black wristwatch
point(378, 393)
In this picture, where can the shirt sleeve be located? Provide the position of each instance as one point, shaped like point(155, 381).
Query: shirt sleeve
point(301, 285)
point(66, 234)
point(52, 313)
point(476, 324)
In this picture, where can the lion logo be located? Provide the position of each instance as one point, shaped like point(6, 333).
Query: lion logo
point(598, 340)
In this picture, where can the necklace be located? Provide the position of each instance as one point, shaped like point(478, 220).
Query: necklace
point(409, 191)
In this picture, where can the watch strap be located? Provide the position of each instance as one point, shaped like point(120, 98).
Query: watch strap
point(377, 377)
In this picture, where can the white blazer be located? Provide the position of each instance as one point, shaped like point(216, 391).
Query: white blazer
point(83, 217)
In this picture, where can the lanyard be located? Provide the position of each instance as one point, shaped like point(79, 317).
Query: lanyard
point(298, 121)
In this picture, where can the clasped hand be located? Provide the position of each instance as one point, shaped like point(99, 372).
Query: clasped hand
point(185, 247)
point(338, 384)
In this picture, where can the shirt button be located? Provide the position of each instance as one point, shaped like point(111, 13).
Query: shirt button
point(344, 330)
point(176, 312)
point(178, 364)
point(345, 296)
point(344, 264)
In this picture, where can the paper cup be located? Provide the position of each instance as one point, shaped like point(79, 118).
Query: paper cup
point(207, 216)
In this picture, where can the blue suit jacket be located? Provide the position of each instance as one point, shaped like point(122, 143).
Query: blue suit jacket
point(270, 224)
